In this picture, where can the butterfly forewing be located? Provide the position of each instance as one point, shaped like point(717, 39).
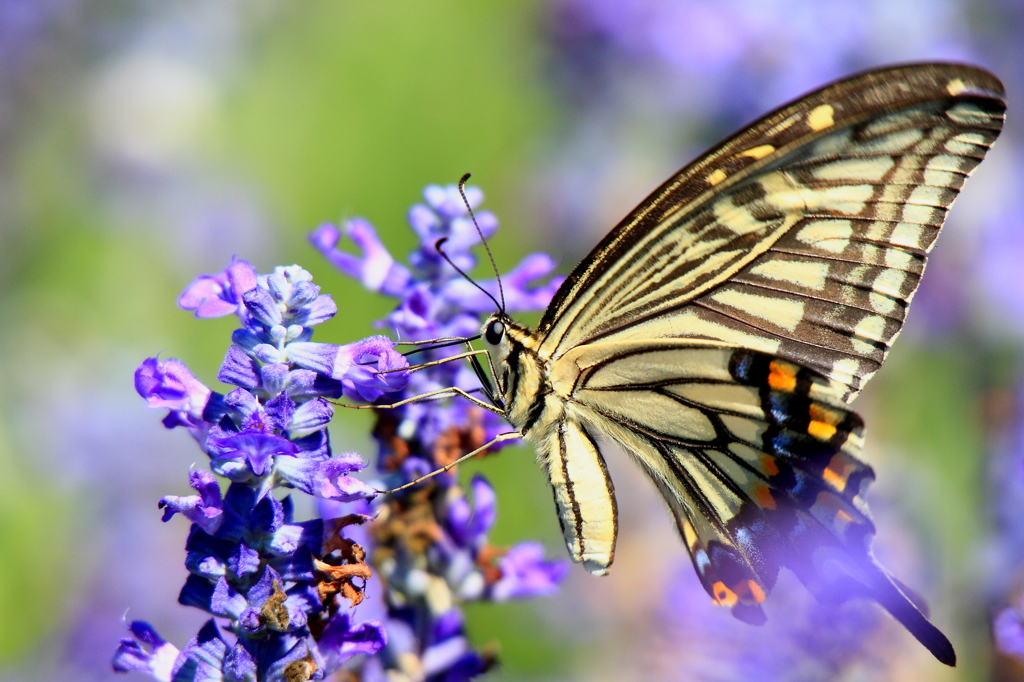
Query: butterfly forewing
point(718, 333)
point(805, 236)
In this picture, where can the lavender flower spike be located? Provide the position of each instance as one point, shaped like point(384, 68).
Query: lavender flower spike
point(274, 581)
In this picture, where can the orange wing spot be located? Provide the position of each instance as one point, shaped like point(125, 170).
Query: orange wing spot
point(763, 497)
point(756, 592)
point(837, 481)
point(782, 376)
point(838, 471)
point(769, 466)
point(821, 430)
point(843, 516)
point(722, 595)
point(748, 591)
point(820, 413)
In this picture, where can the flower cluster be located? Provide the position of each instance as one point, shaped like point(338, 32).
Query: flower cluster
point(429, 544)
point(279, 585)
point(284, 590)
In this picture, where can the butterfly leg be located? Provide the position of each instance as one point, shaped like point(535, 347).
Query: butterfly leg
point(432, 395)
point(501, 437)
point(454, 340)
point(433, 363)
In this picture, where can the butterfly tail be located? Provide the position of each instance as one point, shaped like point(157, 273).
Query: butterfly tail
point(900, 603)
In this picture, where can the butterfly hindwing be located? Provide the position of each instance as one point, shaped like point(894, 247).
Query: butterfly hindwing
point(805, 236)
point(584, 496)
point(757, 458)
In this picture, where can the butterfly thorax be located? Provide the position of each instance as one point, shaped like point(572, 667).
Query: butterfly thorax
point(523, 380)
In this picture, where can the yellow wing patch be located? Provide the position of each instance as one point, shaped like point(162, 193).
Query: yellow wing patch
point(821, 117)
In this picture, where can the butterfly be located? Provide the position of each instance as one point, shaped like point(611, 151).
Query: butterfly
point(719, 332)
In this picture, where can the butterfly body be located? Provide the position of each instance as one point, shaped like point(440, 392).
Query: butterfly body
point(718, 333)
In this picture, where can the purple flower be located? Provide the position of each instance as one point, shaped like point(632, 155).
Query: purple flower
point(169, 384)
point(342, 639)
point(334, 482)
point(1008, 630)
point(448, 558)
point(525, 573)
point(366, 369)
point(221, 294)
point(248, 562)
point(256, 448)
point(376, 270)
point(205, 509)
point(203, 658)
point(469, 525)
point(146, 652)
point(282, 588)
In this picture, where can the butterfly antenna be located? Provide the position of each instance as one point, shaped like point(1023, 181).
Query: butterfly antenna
point(494, 266)
point(438, 245)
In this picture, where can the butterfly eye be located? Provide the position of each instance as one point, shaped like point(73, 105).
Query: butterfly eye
point(495, 330)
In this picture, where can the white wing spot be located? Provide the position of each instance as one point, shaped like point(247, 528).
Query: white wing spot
point(855, 169)
point(845, 371)
point(946, 162)
point(926, 195)
point(922, 215)
point(942, 178)
point(809, 275)
point(890, 283)
point(848, 198)
point(871, 328)
point(832, 236)
point(961, 148)
point(906, 234)
point(955, 87)
point(783, 312)
point(972, 138)
point(897, 259)
point(892, 143)
point(969, 114)
point(881, 303)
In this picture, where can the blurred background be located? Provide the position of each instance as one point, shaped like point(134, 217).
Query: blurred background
point(143, 143)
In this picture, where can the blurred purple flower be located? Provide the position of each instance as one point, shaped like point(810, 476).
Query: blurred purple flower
point(424, 579)
point(1008, 631)
point(1002, 252)
point(525, 573)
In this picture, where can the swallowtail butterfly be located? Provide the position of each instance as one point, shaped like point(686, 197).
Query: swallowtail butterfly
point(718, 333)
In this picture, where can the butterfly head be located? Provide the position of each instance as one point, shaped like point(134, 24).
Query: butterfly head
point(493, 331)
point(504, 338)
point(495, 335)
